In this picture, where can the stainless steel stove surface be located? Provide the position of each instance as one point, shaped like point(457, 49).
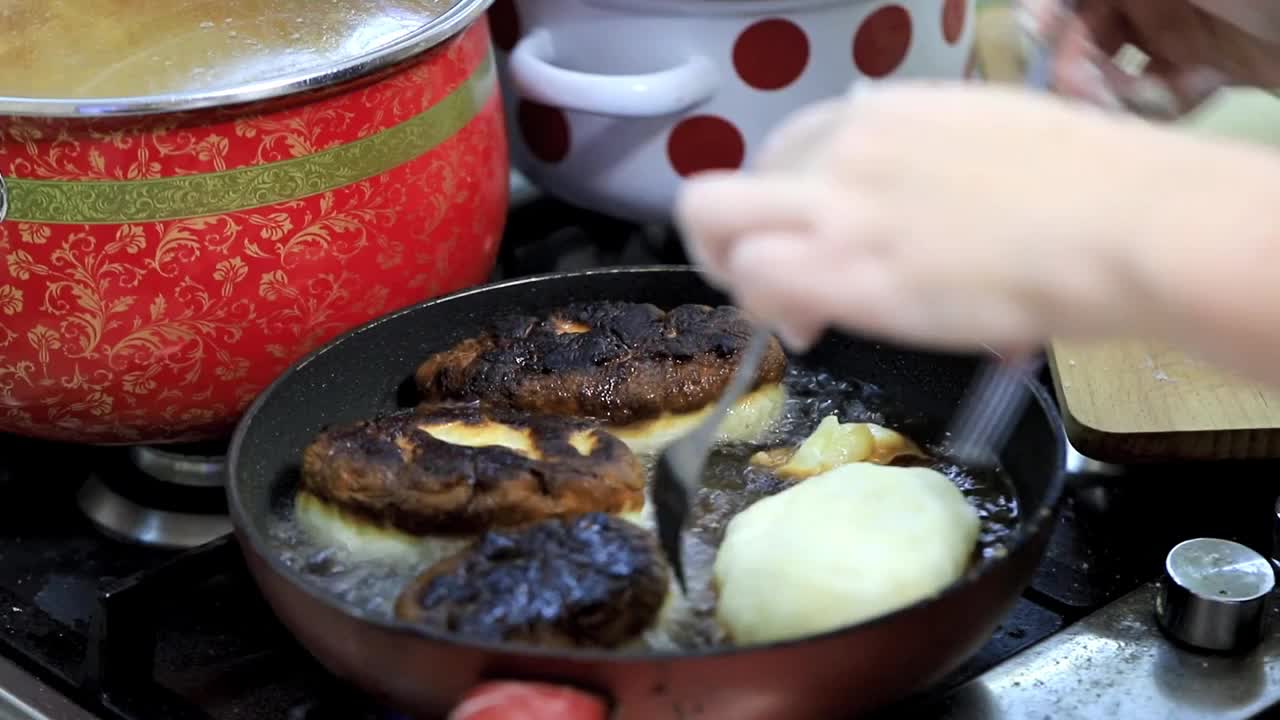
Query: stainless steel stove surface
point(94, 627)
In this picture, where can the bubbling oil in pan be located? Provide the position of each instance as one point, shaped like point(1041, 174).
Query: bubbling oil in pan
point(730, 486)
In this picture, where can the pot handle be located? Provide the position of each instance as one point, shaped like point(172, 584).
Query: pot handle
point(498, 699)
point(665, 92)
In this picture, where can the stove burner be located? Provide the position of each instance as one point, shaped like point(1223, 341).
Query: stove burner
point(164, 498)
point(123, 519)
point(191, 469)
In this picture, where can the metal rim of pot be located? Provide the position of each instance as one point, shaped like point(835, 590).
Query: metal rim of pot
point(432, 33)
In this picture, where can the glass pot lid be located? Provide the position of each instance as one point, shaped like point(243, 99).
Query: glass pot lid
point(96, 57)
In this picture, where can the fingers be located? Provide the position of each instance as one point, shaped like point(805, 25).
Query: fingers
point(1196, 85)
point(1083, 50)
point(1260, 19)
point(1040, 18)
point(1104, 23)
point(1085, 67)
point(713, 211)
point(1241, 40)
point(774, 280)
point(1185, 88)
point(798, 142)
point(800, 293)
point(1195, 48)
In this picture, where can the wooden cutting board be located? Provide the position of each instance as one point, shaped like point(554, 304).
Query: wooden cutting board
point(1126, 402)
point(1131, 402)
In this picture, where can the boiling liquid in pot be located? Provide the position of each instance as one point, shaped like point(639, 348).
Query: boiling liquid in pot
point(118, 48)
point(730, 486)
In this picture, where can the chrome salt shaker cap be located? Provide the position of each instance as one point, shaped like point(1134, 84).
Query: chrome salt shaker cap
point(1214, 595)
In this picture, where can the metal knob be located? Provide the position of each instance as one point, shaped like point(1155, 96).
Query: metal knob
point(1213, 595)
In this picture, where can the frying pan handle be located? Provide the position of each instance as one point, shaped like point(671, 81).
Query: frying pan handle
point(500, 699)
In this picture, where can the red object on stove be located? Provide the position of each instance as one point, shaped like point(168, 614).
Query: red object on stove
point(529, 701)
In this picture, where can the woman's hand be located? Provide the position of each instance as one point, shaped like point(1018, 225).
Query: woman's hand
point(1195, 47)
point(956, 216)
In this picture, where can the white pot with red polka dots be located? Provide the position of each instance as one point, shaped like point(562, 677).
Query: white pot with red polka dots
point(610, 103)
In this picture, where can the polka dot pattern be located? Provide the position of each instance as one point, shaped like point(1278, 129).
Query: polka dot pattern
point(545, 130)
point(504, 23)
point(953, 12)
point(882, 41)
point(705, 142)
point(771, 54)
point(768, 65)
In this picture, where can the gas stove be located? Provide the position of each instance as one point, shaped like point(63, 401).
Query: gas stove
point(102, 618)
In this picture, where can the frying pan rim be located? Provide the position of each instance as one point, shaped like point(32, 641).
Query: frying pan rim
point(1029, 527)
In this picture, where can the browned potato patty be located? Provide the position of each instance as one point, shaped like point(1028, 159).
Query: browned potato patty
point(589, 581)
point(460, 469)
point(618, 362)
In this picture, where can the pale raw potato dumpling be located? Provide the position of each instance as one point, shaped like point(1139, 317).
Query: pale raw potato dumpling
point(365, 541)
point(841, 548)
point(833, 444)
point(362, 541)
point(748, 420)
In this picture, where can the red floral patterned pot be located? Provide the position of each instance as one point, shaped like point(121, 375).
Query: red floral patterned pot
point(160, 269)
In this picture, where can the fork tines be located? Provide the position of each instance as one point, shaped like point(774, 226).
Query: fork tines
point(989, 412)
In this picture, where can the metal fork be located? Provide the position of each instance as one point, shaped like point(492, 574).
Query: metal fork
point(996, 398)
point(678, 474)
point(980, 429)
point(990, 410)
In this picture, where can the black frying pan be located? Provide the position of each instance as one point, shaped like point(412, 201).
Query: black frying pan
point(838, 674)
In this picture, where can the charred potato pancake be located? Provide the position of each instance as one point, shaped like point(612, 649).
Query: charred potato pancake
point(589, 581)
point(646, 373)
point(460, 470)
